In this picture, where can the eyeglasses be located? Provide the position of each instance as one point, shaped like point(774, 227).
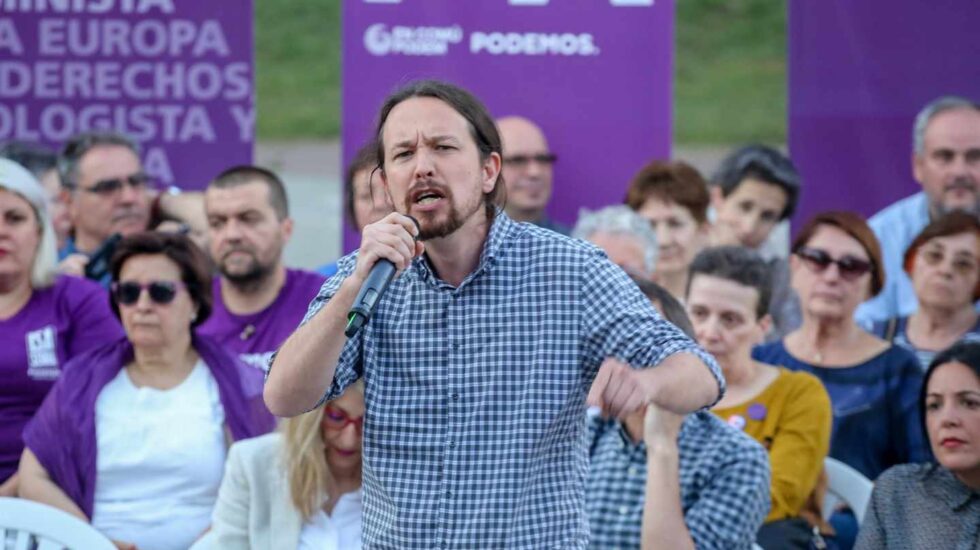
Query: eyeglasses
point(161, 292)
point(521, 161)
point(113, 186)
point(817, 260)
point(335, 418)
point(961, 265)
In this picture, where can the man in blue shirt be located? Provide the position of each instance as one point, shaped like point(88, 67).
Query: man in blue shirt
point(946, 162)
point(478, 359)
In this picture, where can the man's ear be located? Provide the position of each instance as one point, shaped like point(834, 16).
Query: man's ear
point(491, 171)
point(765, 325)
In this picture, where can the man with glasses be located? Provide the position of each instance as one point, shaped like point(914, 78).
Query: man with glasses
point(106, 193)
point(527, 172)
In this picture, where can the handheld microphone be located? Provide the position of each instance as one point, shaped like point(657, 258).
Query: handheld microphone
point(368, 297)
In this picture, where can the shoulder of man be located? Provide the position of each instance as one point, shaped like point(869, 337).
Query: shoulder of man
point(900, 214)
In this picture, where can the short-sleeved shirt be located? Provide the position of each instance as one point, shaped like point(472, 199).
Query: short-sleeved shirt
point(876, 417)
point(56, 324)
point(899, 335)
point(474, 435)
point(254, 337)
point(724, 478)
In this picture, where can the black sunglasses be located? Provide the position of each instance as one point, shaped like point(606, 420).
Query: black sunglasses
point(850, 268)
point(520, 161)
point(161, 292)
point(112, 186)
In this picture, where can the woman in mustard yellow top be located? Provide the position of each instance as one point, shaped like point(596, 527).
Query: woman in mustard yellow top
point(787, 412)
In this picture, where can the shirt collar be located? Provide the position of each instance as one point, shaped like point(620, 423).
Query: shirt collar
point(503, 231)
point(946, 487)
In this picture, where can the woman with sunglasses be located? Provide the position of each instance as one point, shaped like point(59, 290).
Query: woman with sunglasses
point(936, 505)
point(298, 488)
point(873, 384)
point(133, 436)
point(45, 319)
point(943, 263)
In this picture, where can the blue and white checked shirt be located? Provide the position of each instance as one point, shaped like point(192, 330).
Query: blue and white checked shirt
point(724, 476)
point(474, 435)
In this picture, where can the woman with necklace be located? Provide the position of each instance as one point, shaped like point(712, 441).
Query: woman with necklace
point(873, 384)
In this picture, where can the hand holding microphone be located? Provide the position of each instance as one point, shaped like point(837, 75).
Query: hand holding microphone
point(387, 247)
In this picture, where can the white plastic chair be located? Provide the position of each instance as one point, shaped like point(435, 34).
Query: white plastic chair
point(845, 485)
point(29, 524)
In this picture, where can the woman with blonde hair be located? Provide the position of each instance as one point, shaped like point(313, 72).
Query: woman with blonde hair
point(297, 488)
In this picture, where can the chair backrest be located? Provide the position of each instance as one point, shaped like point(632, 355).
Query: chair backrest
point(26, 525)
point(845, 485)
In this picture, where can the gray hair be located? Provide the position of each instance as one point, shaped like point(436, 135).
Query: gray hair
point(79, 144)
point(619, 219)
point(16, 179)
point(933, 108)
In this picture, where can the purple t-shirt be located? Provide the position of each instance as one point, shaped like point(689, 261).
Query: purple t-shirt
point(56, 324)
point(256, 336)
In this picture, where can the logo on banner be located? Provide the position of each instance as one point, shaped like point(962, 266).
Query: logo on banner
point(533, 43)
point(380, 40)
point(42, 357)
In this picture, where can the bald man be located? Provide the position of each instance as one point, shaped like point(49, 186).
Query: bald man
point(527, 171)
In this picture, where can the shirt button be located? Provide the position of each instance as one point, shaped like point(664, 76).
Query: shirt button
point(632, 471)
point(624, 510)
point(455, 396)
point(455, 346)
point(452, 444)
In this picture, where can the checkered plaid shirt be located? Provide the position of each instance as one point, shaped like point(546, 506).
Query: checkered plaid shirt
point(474, 435)
point(724, 476)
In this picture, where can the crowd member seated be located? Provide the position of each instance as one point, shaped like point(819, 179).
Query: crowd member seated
point(935, 505)
point(946, 162)
point(527, 172)
point(943, 263)
point(257, 301)
point(45, 319)
point(107, 192)
point(756, 188)
point(669, 482)
point(787, 412)
point(674, 198)
point(365, 199)
point(836, 265)
point(42, 163)
point(623, 235)
point(133, 435)
point(298, 488)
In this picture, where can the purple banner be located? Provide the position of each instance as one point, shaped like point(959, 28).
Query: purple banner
point(596, 76)
point(859, 72)
point(176, 75)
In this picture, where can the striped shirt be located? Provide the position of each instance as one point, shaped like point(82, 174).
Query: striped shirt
point(474, 435)
point(724, 478)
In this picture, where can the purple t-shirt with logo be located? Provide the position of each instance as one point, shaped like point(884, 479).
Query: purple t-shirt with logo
point(254, 337)
point(56, 324)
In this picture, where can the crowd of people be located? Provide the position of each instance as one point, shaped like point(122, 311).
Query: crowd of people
point(169, 380)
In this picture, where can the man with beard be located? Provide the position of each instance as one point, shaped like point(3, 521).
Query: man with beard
point(527, 171)
point(257, 301)
point(107, 192)
point(478, 359)
point(946, 162)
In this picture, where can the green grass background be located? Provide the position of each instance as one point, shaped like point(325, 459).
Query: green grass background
point(730, 82)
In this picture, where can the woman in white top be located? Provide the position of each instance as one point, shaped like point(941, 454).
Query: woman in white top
point(299, 488)
point(133, 435)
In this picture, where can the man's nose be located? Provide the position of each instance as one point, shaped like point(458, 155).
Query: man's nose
point(424, 165)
